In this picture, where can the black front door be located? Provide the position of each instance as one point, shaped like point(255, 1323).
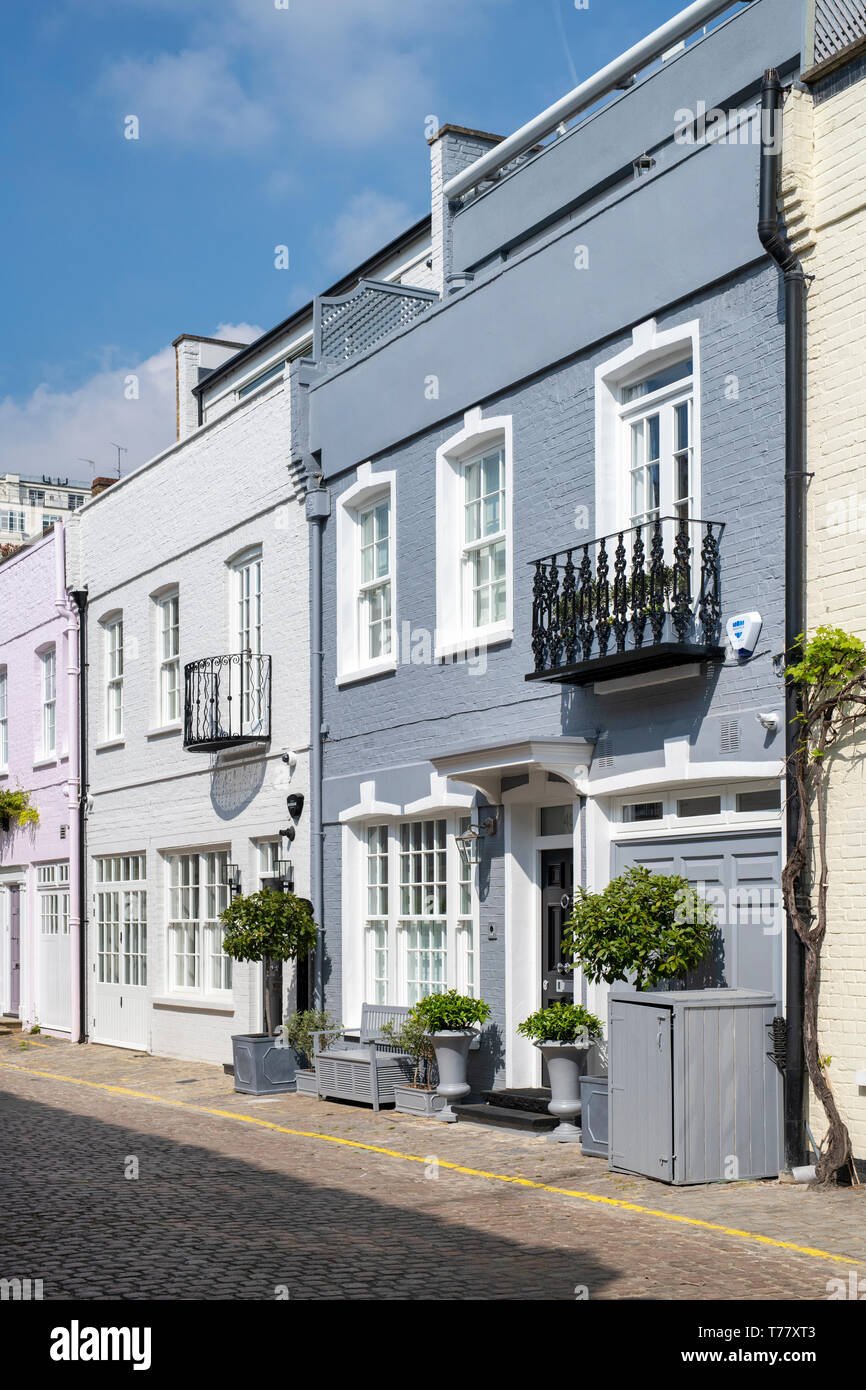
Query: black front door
point(557, 889)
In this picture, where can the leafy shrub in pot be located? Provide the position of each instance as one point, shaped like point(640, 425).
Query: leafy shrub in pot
point(652, 926)
point(562, 1023)
point(450, 1020)
point(299, 1028)
point(450, 1012)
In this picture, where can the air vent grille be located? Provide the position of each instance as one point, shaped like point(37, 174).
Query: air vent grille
point(729, 736)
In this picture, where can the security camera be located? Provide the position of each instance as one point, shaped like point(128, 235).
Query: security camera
point(290, 757)
point(295, 804)
point(769, 722)
point(288, 833)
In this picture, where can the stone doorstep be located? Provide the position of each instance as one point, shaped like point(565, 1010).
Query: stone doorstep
point(506, 1117)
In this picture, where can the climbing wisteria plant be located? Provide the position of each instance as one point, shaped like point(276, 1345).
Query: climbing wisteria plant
point(830, 685)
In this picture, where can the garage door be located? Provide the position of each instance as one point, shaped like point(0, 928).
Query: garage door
point(741, 876)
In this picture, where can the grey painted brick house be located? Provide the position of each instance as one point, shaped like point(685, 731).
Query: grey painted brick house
point(542, 495)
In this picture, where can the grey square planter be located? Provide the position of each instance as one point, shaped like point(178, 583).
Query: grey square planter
point(593, 1116)
point(418, 1100)
point(306, 1083)
point(262, 1067)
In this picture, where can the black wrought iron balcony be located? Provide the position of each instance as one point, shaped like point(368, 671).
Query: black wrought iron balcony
point(227, 701)
point(639, 599)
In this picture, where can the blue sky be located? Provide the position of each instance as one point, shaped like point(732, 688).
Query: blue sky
point(259, 126)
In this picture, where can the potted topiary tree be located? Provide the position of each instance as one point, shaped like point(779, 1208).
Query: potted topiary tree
point(270, 927)
point(563, 1033)
point(646, 926)
point(450, 1021)
point(419, 1095)
point(299, 1032)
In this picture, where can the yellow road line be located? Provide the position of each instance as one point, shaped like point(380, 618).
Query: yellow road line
point(452, 1167)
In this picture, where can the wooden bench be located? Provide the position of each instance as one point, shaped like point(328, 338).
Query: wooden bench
point(367, 1070)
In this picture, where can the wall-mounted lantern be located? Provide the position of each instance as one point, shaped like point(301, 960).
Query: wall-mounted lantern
point(471, 841)
point(286, 875)
point(233, 879)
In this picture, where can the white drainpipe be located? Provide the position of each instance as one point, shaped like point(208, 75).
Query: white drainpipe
point(67, 609)
point(605, 81)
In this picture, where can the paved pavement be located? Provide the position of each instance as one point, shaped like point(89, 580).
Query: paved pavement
point(143, 1192)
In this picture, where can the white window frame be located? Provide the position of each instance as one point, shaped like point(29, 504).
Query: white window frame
point(4, 718)
point(397, 924)
point(48, 702)
point(670, 821)
point(195, 924)
point(247, 589)
point(113, 637)
point(246, 626)
point(368, 490)
point(651, 350)
point(456, 630)
point(167, 605)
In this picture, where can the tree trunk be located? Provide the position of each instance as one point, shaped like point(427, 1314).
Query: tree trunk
point(836, 1146)
point(266, 968)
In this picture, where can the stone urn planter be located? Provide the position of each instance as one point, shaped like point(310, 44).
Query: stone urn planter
point(424, 1101)
point(452, 1053)
point(563, 1066)
point(262, 1066)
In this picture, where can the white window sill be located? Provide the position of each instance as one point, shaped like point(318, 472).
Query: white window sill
point(110, 743)
point(468, 643)
point(164, 731)
point(195, 1003)
point(365, 673)
point(45, 762)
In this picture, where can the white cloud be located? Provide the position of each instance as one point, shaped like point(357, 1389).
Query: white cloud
point(329, 72)
point(370, 220)
point(189, 99)
point(50, 431)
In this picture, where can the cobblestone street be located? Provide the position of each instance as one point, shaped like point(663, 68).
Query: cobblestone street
point(143, 1192)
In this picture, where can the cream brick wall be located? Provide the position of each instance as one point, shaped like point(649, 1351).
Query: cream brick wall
point(179, 520)
point(824, 188)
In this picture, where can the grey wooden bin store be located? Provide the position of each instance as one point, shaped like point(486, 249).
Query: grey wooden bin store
point(694, 1095)
point(366, 1070)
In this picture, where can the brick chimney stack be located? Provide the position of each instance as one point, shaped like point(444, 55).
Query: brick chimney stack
point(194, 358)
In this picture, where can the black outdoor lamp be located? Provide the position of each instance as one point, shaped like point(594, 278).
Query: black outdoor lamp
point(471, 841)
point(233, 879)
point(286, 875)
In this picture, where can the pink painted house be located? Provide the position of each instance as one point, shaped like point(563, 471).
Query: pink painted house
point(39, 754)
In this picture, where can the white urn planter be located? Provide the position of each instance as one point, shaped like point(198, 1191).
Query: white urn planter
point(563, 1066)
point(452, 1052)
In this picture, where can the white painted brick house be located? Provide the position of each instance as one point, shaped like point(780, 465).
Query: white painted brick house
point(198, 556)
point(177, 557)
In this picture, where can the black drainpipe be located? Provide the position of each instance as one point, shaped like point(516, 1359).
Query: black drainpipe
point(79, 598)
point(774, 241)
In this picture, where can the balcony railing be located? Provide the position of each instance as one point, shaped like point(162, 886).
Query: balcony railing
point(642, 598)
point(349, 324)
point(227, 701)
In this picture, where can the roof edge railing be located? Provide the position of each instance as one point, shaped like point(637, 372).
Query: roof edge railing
point(605, 81)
